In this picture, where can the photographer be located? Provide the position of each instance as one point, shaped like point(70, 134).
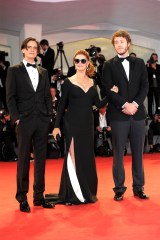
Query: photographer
point(7, 152)
point(154, 129)
point(57, 80)
point(3, 73)
point(102, 133)
point(52, 144)
point(154, 83)
point(95, 56)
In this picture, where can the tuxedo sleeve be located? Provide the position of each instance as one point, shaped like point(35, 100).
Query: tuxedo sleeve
point(97, 102)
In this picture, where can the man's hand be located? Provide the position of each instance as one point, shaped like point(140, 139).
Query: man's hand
point(129, 108)
point(99, 129)
point(108, 128)
point(114, 89)
point(17, 122)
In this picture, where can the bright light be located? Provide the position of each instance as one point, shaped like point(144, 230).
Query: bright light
point(52, 1)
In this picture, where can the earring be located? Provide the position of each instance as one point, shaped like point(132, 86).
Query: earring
point(87, 69)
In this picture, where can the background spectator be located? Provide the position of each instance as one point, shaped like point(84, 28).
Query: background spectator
point(154, 84)
point(47, 57)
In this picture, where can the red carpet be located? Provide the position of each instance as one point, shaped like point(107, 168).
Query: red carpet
point(105, 220)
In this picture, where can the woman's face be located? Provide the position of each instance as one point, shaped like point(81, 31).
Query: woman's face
point(81, 62)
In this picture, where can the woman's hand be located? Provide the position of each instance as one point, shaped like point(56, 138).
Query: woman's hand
point(114, 89)
point(56, 131)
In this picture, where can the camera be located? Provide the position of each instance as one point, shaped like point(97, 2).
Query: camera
point(60, 45)
point(59, 77)
point(3, 54)
point(93, 50)
point(103, 134)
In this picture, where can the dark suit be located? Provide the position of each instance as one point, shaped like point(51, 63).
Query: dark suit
point(33, 109)
point(48, 61)
point(126, 126)
point(154, 88)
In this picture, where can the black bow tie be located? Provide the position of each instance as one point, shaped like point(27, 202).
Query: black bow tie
point(122, 59)
point(31, 65)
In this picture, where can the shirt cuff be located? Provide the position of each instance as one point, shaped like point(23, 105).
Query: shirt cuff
point(124, 105)
point(136, 104)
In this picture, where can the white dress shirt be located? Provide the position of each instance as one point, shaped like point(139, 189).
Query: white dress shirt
point(33, 74)
point(125, 64)
point(102, 120)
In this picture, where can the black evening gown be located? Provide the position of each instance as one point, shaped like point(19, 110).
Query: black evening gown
point(79, 178)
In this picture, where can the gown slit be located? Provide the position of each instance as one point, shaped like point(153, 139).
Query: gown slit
point(71, 167)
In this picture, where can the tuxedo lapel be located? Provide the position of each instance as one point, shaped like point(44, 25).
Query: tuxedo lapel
point(131, 70)
point(25, 74)
point(40, 76)
point(120, 67)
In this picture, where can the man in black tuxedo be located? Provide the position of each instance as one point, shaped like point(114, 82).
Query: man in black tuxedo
point(30, 107)
point(47, 57)
point(126, 85)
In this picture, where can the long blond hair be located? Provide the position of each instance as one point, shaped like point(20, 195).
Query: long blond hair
point(90, 69)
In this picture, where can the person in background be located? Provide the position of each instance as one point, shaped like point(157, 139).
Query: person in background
point(132, 54)
point(3, 73)
point(47, 57)
point(57, 81)
point(30, 107)
point(126, 112)
point(102, 131)
point(6, 134)
point(153, 69)
point(154, 129)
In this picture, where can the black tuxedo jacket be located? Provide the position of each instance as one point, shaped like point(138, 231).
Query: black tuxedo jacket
point(22, 100)
point(135, 89)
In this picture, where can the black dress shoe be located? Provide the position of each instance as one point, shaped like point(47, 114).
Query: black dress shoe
point(24, 206)
point(43, 203)
point(68, 204)
point(118, 196)
point(140, 194)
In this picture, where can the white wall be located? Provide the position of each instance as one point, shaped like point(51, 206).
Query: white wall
point(13, 42)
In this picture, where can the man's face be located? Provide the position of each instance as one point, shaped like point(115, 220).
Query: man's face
point(44, 47)
point(155, 57)
point(30, 52)
point(121, 46)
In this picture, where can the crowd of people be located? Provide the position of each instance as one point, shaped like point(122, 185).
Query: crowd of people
point(84, 122)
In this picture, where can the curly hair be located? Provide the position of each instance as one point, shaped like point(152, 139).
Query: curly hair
point(90, 69)
point(121, 33)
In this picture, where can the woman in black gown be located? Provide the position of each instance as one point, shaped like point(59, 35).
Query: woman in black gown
point(79, 176)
